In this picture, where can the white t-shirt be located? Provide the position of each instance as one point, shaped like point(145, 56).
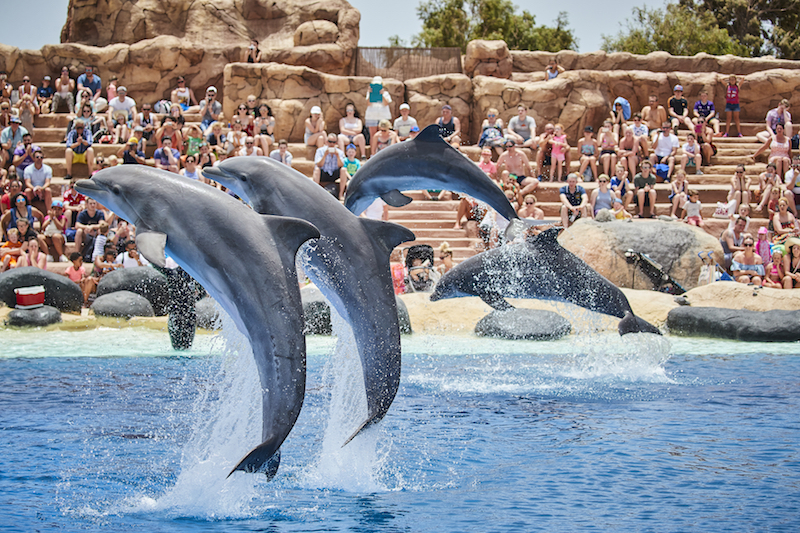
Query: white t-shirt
point(403, 127)
point(38, 176)
point(790, 179)
point(375, 209)
point(127, 261)
point(126, 106)
point(690, 148)
point(665, 145)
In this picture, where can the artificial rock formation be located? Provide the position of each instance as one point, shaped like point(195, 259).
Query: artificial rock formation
point(488, 58)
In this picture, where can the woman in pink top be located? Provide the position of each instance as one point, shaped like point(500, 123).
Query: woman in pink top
point(780, 151)
point(33, 257)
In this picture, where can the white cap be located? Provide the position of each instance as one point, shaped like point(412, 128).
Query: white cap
point(405, 106)
point(211, 89)
point(316, 110)
point(377, 80)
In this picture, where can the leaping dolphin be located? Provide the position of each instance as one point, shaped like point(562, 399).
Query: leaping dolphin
point(540, 268)
point(349, 264)
point(243, 259)
point(426, 162)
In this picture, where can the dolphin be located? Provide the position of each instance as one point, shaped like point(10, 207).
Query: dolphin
point(426, 162)
point(539, 268)
point(349, 264)
point(246, 263)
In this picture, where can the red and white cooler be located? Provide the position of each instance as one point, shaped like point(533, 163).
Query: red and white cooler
point(30, 297)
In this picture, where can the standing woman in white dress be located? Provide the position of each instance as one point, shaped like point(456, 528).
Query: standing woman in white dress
point(378, 109)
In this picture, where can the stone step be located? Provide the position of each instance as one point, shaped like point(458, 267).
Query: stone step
point(61, 120)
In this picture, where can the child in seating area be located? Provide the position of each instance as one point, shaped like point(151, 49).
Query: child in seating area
point(10, 250)
point(762, 246)
point(693, 209)
point(774, 270)
point(351, 163)
point(560, 148)
point(620, 213)
point(100, 240)
point(77, 273)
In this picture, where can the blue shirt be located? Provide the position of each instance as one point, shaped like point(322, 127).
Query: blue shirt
point(8, 135)
point(331, 165)
point(352, 166)
point(162, 156)
point(573, 198)
point(704, 109)
point(45, 92)
point(72, 138)
point(95, 85)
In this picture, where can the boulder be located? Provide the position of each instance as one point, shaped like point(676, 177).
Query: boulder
point(488, 58)
point(316, 32)
point(673, 245)
point(527, 324)
point(734, 295)
point(316, 312)
point(122, 304)
point(59, 291)
point(144, 280)
point(33, 318)
point(403, 317)
point(735, 324)
point(208, 316)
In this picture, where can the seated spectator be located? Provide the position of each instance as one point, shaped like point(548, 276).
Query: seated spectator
point(446, 257)
point(492, 131)
point(169, 130)
point(53, 230)
point(121, 111)
point(10, 137)
point(131, 154)
point(792, 180)
point(216, 140)
point(26, 88)
point(252, 105)
point(528, 209)
point(644, 185)
point(544, 155)
point(618, 116)
point(791, 267)
point(522, 129)
point(403, 124)
point(678, 109)
point(474, 211)
point(784, 224)
point(621, 185)
point(704, 108)
point(64, 93)
point(766, 181)
point(574, 201)
point(138, 136)
point(607, 143)
point(282, 153)
point(22, 210)
point(191, 170)
point(252, 54)
point(329, 166)
point(104, 262)
point(678, 192)
point(641, 134)
point(193, 140)
point(183, 97)
point(691, 155)
point(264, 127)
point(552, 70)
point(146, 121)
point(629, 152)
point(747, 266)
point(33, 256)
point(77, 273)
point(37, 180)
point(779, 115)
point(243, 115)
point(588, 149)
point(705, 138)
point(350, 127)
point(89, 80)
point(740, 186)
point(5, 88)
point(167, 157)
point(780, 150)
point(130, 257)
point(653, 114)
point(5, 115)
point(560, 152)
point(250, 149)
point(14, 188)
point(619, 211)
point(384, 138)
point(27, 110)
point(744, 212)
point(449, 126)
point(351, 164)
point(236, 138)
point(774, 273)
point(486, 164)
point(210, 109)
point(10, 250)
point(513, 165)
point(763, 246)
point(731, 241)
point(23, 154)
point(665, 148)
point(79, 148)
point(315, 129)
point(602, 197)
point(95, 124)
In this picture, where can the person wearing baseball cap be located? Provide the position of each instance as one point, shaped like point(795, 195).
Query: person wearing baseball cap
point(678, 110)
point(10, 137)
point(44, 95)
point(404, 123)
point(449, 126)
point(315, 134)
point(210, 108)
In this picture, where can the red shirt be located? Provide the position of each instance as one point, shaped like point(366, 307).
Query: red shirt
point(732, 94)
point(73, 197)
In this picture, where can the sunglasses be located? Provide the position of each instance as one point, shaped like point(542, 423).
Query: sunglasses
point(331, 142)
point(740, 171)
point(20, 200)
point(249, 144)
point(602, 181)
point(748, 245)
point(528, 203)
point(38, 158)
point(181, 81)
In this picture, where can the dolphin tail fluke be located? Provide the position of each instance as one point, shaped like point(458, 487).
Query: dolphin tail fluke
point(631, 323)
point(261, 459)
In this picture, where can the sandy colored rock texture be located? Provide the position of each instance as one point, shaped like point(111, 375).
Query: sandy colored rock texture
point(673, 245)
point(526, 61)
point(732, 295)
point(488, 58)
point(426, 96)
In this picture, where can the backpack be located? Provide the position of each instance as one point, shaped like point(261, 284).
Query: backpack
point(163, 107)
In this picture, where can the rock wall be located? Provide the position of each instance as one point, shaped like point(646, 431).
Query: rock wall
point(426, 96)
point(527, 61)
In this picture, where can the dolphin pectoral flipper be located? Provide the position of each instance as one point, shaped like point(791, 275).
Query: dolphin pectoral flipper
point(260, 459)
point(387, 235)
point(496, 300)
point(151, 245)
point(395, 198)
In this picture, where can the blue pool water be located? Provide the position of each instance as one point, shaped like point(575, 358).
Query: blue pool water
point(110, 430)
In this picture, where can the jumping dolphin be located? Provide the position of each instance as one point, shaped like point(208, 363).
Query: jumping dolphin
point(540, 268)
point(246, 263)
point(426, 162)
point(349, 263)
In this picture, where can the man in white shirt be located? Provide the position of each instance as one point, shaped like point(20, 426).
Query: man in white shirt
point(665, 146)
point(37, 179)
point(522, 129)
point(130, 257)
point(404, 123)
point(119, 106)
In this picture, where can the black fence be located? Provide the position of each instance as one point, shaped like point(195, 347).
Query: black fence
point(406, 63)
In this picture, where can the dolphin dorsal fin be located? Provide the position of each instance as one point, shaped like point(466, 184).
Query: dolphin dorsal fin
point(395, 198)
point(387, 235)
point(290, 232)
point(429, 135)
point(151, 245)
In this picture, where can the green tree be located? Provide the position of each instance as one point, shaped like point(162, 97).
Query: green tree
point(456, 22)
point(676, 30)
point(763, 26)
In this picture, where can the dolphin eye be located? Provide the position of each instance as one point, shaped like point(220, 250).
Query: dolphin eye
point(244, 178)
point(116, 190)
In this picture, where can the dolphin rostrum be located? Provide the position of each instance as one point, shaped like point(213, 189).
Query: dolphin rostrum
point(426, 162)
point(540, 268)
point(349, 264)
point(246, 263)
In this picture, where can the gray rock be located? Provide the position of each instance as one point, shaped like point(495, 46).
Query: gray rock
point(680, 300)
point(122, 304)
point(605, 215)
point(145, 281)
point(33, 318)
point(403, 318)
point(208, 314)
point(529, 324)
point(735, 324)
point(316, 311)
point(59, 291)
